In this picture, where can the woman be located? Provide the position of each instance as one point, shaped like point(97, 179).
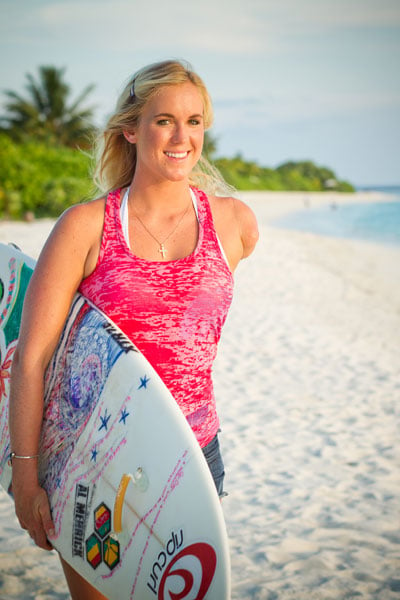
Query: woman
point(155, 254)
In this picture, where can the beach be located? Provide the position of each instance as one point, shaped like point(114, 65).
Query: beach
point(307, 381)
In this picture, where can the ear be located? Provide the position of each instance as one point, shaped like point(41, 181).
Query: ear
point(130, 136)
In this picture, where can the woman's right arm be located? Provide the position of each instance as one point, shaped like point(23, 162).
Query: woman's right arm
point(69, 255)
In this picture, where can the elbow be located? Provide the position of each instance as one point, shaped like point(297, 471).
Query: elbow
point(250, 242)
point(26, 365)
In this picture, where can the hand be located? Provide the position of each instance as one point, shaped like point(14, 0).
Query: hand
point(33, 512)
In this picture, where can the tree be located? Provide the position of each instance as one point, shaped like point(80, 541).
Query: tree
point(46, 114)
point(209, 146)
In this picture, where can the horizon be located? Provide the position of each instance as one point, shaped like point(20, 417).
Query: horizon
point(377, 185)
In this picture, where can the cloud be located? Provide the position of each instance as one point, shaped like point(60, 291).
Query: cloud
point(314, 15)
point(231, 28)
point(224, 26)
point(257, 112)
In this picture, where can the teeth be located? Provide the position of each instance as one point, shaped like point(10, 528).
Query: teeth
point(176, 154)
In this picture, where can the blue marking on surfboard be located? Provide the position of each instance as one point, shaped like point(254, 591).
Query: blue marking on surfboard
point(104, 421)
point(94, 454)
point(124, 416)
point(78, 373)
point(143, 382)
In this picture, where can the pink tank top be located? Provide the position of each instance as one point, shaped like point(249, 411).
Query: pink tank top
point(173, 311)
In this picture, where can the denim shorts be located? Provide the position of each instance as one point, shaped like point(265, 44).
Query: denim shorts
point(214, 460)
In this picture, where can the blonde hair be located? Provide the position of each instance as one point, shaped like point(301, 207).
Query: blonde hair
point(115, 157)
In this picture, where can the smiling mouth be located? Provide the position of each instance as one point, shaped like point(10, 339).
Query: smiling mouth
point(177, 154)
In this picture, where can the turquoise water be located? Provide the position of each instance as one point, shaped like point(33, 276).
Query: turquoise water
point(376, 222)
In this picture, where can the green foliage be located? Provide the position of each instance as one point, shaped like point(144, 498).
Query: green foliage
point(302, 176)
point(40, 179)
point(46, 112)
point(41, 172)
point(45, 180)
point(209, 146)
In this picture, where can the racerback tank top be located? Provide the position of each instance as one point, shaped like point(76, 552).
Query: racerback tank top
point(173, 311)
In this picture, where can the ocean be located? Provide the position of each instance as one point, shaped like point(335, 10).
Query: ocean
point(370, 221)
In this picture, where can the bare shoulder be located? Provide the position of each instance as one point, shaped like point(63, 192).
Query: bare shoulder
point(81, 216)
point(235, 222)
point(68, 256)
point(78, 232)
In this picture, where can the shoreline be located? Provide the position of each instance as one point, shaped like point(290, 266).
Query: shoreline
point(372, 266)
point(269, 205)
point(279, 204)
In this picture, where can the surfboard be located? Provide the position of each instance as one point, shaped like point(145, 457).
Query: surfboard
point(135, 508)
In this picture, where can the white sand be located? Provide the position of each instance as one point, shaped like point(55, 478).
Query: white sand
point(308, 385)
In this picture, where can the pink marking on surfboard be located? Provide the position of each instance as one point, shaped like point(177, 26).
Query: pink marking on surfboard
point(12, 265)
point(178, 476)
point(160, 503)
point(99, 466)
point(65, 495)
point(181, 463)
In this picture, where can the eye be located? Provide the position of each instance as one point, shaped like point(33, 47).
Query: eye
point(194, 122)
point(163, 122)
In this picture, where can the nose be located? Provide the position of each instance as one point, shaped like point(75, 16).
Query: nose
point(180, 133)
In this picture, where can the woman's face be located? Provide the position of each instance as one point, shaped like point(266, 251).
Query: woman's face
point(169, 135)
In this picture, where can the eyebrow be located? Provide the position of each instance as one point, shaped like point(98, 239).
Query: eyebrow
point(197, 116)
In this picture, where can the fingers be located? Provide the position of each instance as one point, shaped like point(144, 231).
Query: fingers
point(45, 515)
point(37, 520)
point(40, 539)
point(45, 527)
point(39, 536)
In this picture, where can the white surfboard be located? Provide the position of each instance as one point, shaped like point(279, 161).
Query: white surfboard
point(135, 508)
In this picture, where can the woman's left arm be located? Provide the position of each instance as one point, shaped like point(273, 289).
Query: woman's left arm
point(236, 226)
point(248, 227)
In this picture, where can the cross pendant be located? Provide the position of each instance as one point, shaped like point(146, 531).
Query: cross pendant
point(162, 250)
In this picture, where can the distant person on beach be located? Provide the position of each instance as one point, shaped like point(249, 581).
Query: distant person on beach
point(154, 225)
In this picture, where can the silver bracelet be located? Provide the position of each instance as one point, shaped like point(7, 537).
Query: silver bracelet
point(13, 455)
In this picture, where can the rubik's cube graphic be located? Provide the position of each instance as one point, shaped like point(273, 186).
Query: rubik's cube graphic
point(100, 546)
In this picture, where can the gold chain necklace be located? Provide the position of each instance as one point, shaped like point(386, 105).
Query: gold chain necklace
point(162, 250)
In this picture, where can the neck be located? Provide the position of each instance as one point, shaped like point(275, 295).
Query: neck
point(155, 197)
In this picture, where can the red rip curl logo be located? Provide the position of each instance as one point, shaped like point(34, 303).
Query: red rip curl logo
point(194, 567)
point(189, 574)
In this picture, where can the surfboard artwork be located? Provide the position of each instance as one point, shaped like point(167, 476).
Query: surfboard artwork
point(134, 505)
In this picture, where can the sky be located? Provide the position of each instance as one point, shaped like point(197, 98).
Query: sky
point(290, 79)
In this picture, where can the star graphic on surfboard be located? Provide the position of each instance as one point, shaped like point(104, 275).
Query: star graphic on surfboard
point(104, 421)
point(143, 382)
point(124, 415)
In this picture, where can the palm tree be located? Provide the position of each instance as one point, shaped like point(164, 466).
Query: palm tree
point(45, 114)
